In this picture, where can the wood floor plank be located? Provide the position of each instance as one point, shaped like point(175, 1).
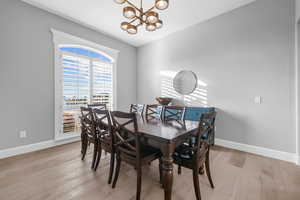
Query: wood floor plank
point(59, 174)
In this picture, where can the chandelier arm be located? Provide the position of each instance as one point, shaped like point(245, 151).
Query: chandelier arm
point(133, 20)
point(143, 21)
point(134, 6)
point(148, 10)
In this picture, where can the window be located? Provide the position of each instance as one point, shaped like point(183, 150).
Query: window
point(83, 75)
point(87, 79)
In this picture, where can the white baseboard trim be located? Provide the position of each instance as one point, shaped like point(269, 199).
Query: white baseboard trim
point(35, 147)
point(280, 155)
point(290, 157)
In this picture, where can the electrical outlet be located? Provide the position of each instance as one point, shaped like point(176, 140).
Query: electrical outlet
point(23, 134)
point(258, 100)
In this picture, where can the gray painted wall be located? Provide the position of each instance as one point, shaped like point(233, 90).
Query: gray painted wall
point(27, 71)
point(242, 54)
point(297, 75)
point(297, 54)
point(297, 9)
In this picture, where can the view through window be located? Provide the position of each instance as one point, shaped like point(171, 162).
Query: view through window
point(87, 79)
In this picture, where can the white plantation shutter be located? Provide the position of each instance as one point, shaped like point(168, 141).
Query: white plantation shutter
point(85, 81)
point(102, 83)
point(76, 89)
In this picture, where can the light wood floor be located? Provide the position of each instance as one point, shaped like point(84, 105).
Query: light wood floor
point(59, 173)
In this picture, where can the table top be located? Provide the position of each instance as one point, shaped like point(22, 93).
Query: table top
point(167, 131)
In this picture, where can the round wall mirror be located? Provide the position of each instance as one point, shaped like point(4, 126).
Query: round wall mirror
point(185, 82)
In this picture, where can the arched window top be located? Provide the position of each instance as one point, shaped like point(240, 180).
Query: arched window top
point(86, 52)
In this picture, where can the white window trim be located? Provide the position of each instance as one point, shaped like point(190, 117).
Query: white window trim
point(60, 38)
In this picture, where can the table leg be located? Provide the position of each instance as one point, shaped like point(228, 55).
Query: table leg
point(167, 169)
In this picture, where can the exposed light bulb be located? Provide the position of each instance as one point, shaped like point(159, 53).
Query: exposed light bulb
point(152, 17)
point(161, 4)
point(131, 29)
point(150, 27)
point(129, 12)
point(159, 24)
point(124, 26)
point(120, 1)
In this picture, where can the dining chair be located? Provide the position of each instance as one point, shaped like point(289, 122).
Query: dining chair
point(194, 114)
point(98, 106)
point(153, 111)
point(137, 108)
point(209, 136)
point(194, 156)
point(173, 113)
point(105, 139)
point(129, 147)
point(88, 132)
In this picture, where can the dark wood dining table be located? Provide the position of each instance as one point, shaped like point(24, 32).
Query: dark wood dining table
point(166, 136)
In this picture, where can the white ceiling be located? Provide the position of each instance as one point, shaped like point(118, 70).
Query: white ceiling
point(106, 16)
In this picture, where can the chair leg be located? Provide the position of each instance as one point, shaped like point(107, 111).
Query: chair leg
point(139, 183)
point(117, 172)
point(82, 143)
point(201, 170)
point(213, 137)
point(99, 152)
point(179, 169)
point(84, 147)
point(196, 183)
point(94, 154)
point(160, 171)
point(111, 167)
point(207, 168)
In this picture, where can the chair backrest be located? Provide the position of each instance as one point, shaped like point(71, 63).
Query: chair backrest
point(103, 121)
point(154, 111)
point(194, 113)
point(206, 126)
point(98, 106)
point(127, 138)
point(88, 122)
point(137, 108)
point(173, 113)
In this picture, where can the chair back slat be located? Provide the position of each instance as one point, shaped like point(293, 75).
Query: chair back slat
point(137, 108)
point(98, 106)
point(103, 121)
point(88, 122)
point(127, 140)
point(206, 126)
point(154, 111)
point(174, 113)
